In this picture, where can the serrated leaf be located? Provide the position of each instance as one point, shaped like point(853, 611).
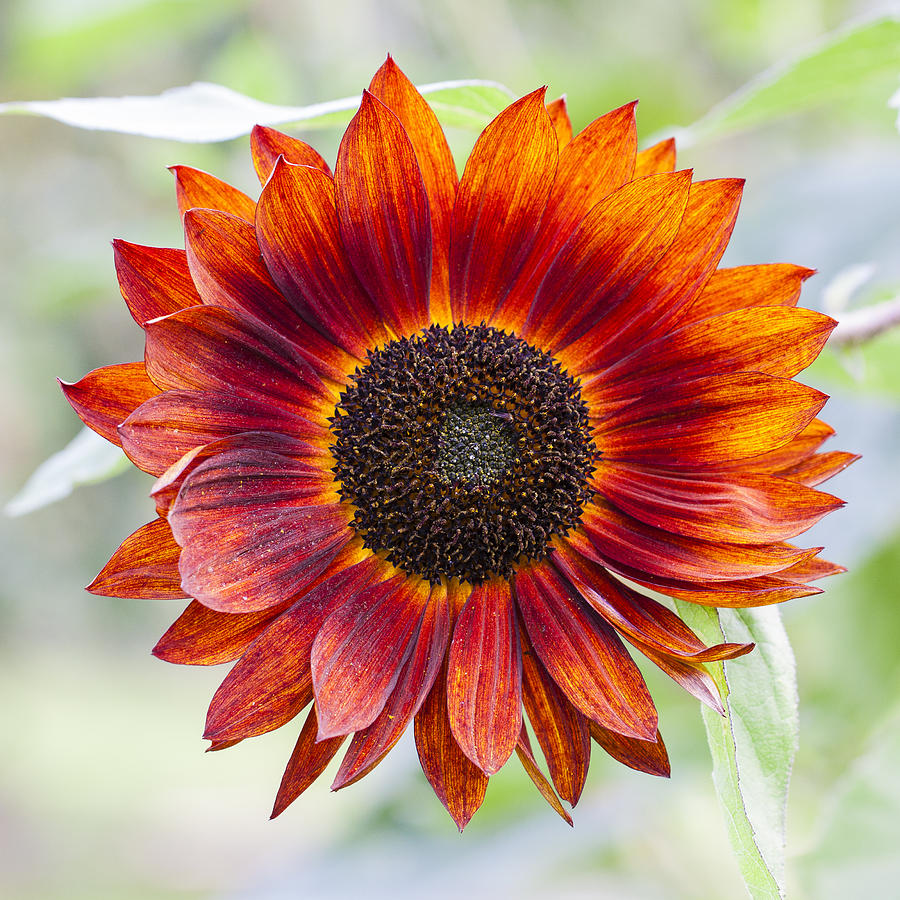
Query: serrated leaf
point(838, 66)
point(86, 459)
point(205, 112)
point(754, 744)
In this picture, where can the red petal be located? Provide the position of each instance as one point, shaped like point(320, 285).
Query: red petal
point(775, 284)
point(812, 569)
point(271, 682)
point(561, 730)
point(267, 144)
point(499, 204)
point(645, 756)
point(559, 118)
point(360, 650)
point(229, 351)
point(526, 757)
point(654, 304)
point(692, 677)
point(819, 467)
point(199, 189)
point(435, 160)
point(751, 509)
point(583, 655)
point(204, 637)
point(308, 761)
point(225, 262)
point(642, 620)
point(297, 229)
point(384, 216)
point(606, 257)
point(154, 281)
point(656, 159)
point(161, 430)
point(484, 680)
point(626, 544)
point(370, 745)
point(106, 397)
point(796, 451)
point(709, 421)
point(458, 783)
point(255, 528)
point(145, 566)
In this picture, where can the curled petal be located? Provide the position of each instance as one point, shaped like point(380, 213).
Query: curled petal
point(526, 757)
point(267, 144)
point(154, 281)
point(819, 467)
point(194, 188)
point(646, 756)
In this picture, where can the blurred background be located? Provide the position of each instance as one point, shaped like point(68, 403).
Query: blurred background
point(104, 787)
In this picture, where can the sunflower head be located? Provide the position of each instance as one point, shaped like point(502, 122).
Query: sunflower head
point(422, 441)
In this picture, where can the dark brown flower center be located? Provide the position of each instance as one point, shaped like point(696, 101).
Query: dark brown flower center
point(463, 451)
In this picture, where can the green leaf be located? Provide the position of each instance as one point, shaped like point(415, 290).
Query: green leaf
point(754, 744)
point(87, 459)
point(204, 112)
point(837, 67)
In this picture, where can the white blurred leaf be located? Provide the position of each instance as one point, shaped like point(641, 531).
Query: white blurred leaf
point(86, 459)
point(203, 112)
point(754, 744)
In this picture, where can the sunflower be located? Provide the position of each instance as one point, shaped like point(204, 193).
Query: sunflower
point(421, 441)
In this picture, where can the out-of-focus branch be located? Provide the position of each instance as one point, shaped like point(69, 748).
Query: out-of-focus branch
point(861, 325)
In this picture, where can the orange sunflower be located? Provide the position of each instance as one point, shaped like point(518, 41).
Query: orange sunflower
point(420, 440)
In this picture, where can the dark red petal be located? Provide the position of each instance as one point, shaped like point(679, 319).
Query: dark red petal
point(308, 761)
point(625, 543)
point(658, 300)
point(204, 637)
point(224, 259)
point(399, 94)
point(709, 421)
point(774, 284)
point(819, 467)
point(559, 118)
point(484, 680)
point(656, 159)
point(194, 188)
point(297, 230)
point(161, 430)
point(145, 567)
point(583, 654)
point(645, 756)
point(750, 509)
point(255, 527)
point(526, 757)
point(360, 650)
point(272, 682)
point(154, 281)
point(229, 351)
point(561, 730)
point(642, 620)
point(499, 204)
point(267, 144)
point(384, 216)
point(106, 397)
point(608, 254)
point(370, 745)
point(457, 781)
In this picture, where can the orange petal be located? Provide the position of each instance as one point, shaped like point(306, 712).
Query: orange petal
point(308, 761)
point(267, 144)
point(774, 284)
point(359, 652)
point(499, 204)
point(154, 281)
point(459, 784)
point(656, 159)
point(693, 677)
point(559, 118)
point(819, 467)
point(145, 566)
point(438, 170)
point(526, 757)
point(645, 756)
point(194, 188)
point(583, 654)
point(106, 397)
point(484, 680)
point(561, 730)
point(384, 215)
